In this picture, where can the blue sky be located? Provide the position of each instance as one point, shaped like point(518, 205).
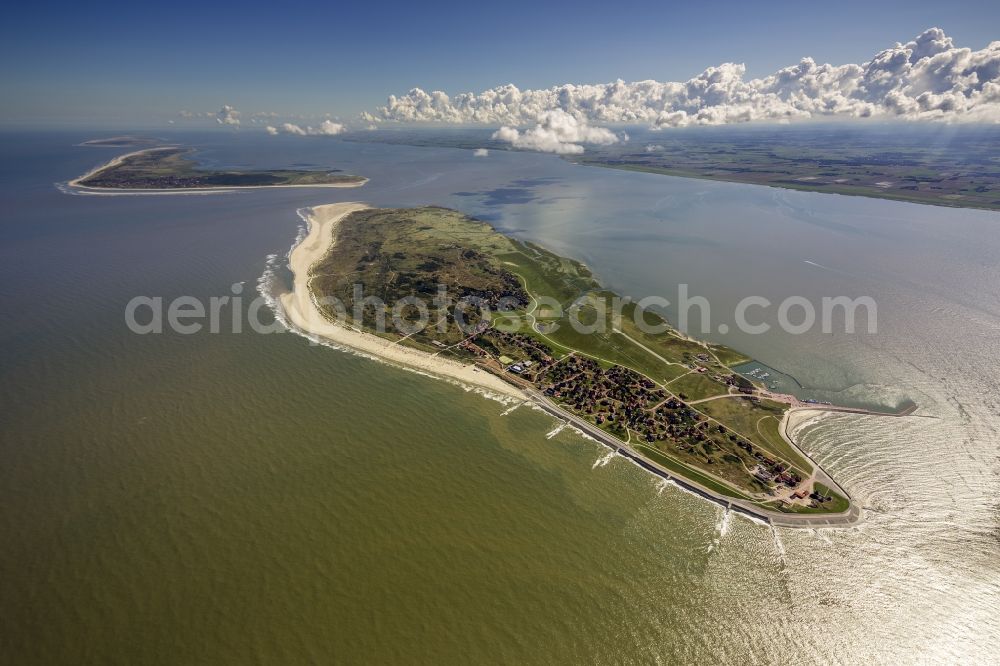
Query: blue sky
point(134, 63)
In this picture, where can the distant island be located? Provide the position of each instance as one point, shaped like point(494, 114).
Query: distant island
point(670, 403)
point(171, 168)
point(122, 142)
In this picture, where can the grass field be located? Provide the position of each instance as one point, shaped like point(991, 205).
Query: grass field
point(729, 357)
point(835, 505)
point(696, 386)
point(758, 421)
point(689, 473)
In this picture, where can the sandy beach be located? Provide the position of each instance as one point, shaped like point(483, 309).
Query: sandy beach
point(302, 312)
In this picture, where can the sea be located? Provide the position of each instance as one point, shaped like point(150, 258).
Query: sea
point(251, 497)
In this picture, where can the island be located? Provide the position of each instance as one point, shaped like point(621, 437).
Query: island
point(122, 142)
point(669, 403)
point(172, 169)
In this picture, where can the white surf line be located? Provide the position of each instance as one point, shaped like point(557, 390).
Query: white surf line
point(579, 432)
point(724, 527)
point(555, 431)
point(721, 529)
point(778, 546)
point(819, 535)
point(753, 519)
point(663, 484)
point(604, 460)
point(511, 408)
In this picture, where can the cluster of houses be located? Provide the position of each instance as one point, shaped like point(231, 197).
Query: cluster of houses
point(625, 402)
point(618, 398)
point(532, 357)
point(507, 293)
point(770, 471)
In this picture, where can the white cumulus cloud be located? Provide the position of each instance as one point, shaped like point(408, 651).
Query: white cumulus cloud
point(291, 128)
point(480, 152)
point(927, 78)
point(326, 128)
point(556, 132)
point(227, 115)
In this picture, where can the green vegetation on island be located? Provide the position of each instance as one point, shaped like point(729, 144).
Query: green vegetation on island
point(122, 142)
point(172, 168)
point(517, 310)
